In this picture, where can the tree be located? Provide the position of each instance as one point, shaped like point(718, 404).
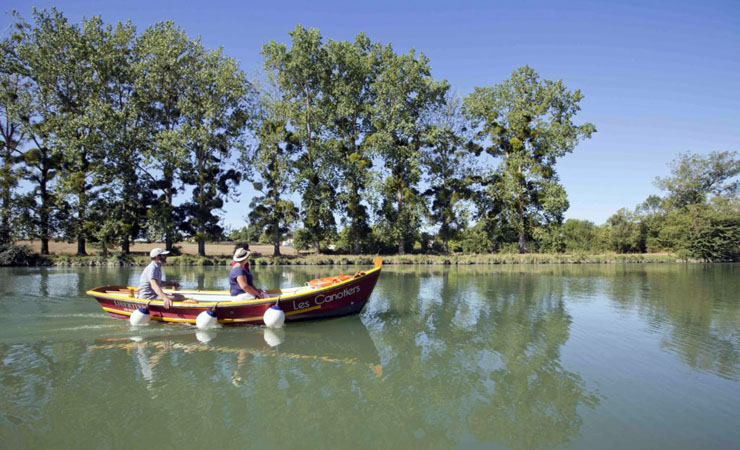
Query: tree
point(301, 72)
point(404, 91)
point(527, 122)
point(61, 60)
point(41, 216)
point(624, 232)
point(215, 113)
point(165, 64)
point(580, 236)
point(271, 170)
point(694, 178)
point(126, 193)
point(353, 69)
point(448, 169)
point(14, 107)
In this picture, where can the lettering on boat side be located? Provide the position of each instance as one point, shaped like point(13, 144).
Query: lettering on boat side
point(321, 299)
point(126, 305)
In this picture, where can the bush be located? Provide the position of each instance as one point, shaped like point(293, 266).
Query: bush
point(17, 255)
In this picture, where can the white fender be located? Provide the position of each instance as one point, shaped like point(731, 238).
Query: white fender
point(140, 317)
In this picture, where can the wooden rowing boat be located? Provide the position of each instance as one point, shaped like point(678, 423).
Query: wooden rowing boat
point(342, 296)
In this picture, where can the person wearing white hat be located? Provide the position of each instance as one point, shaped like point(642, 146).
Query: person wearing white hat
point(240, 278)
point(151, 284)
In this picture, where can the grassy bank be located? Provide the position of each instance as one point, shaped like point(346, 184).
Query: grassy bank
point(191, 260)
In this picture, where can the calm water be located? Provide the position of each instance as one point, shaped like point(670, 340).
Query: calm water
point(475, 357)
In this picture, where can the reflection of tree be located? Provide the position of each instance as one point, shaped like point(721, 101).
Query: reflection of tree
point(468, 355)
point(492, 371)
point(695, 306)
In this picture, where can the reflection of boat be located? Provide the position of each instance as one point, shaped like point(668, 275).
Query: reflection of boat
point(345, 295)
point(343, 341)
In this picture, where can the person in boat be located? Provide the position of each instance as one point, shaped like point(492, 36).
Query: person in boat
point(151, 283)
point(240, 278)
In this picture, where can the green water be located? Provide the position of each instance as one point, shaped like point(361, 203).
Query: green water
point(472, 357)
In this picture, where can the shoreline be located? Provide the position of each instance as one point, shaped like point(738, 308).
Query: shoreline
point(118, 260)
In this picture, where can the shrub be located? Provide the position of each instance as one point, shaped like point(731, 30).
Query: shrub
point(17, 255)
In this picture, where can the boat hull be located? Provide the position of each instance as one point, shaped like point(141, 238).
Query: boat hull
point(340, 299)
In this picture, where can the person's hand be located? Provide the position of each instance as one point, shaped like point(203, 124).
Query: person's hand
point(176, 285)
point(167, 302)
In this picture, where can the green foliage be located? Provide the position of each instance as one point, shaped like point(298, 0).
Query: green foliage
point(271, 167)
point(17, 255)
point(475, 240)
point(528, 124)
point(244, 234)
point(694, 178)
point(709, 232)
point(301, 73)
point(215, 107)
point(302, 239)
point(449, 170)
point(582, 236)
point(624, 233)
point(404, 91)
point(353, 70)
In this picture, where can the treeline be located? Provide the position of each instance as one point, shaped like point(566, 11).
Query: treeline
point(110, 135)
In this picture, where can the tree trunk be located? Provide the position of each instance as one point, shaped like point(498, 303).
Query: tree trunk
point(81, 213)
point(168, 226)
point(356, 248)
point(317, 247)
point(522, 242)
point(44, 215)
point(5, 223)
point(276, 240)
point(201, 247)
point(126, 246)
point(401, 247)
point(81, 246)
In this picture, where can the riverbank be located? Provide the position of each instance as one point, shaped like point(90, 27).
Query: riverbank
point(360, 260)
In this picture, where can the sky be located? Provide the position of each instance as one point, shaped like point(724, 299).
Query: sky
point(659, 78)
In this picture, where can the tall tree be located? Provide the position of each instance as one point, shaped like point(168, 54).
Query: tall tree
point(527, 122)
point(22, 58)
point(165, 64)
point(448, 168)
point(14, 107)
point(215, 112)
point(353, 69)
point(404, 90)
point(301, 72)
point(60, 59)
point(123, 127)
point(271, 168)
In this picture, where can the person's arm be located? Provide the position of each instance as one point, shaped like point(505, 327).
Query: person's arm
point(242, 280)
point(154, 283)
point(173, 284)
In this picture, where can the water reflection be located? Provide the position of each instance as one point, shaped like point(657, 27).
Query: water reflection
point(480, 358)
point(440, 357)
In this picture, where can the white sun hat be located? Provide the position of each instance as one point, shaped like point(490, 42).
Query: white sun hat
point(241, 254)
point(157, 251)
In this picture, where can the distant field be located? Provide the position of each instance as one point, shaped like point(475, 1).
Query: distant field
point(66, 248)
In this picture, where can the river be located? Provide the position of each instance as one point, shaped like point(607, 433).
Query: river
point(564, 356)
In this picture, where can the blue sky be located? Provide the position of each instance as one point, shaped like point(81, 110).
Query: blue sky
point(659, 78)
